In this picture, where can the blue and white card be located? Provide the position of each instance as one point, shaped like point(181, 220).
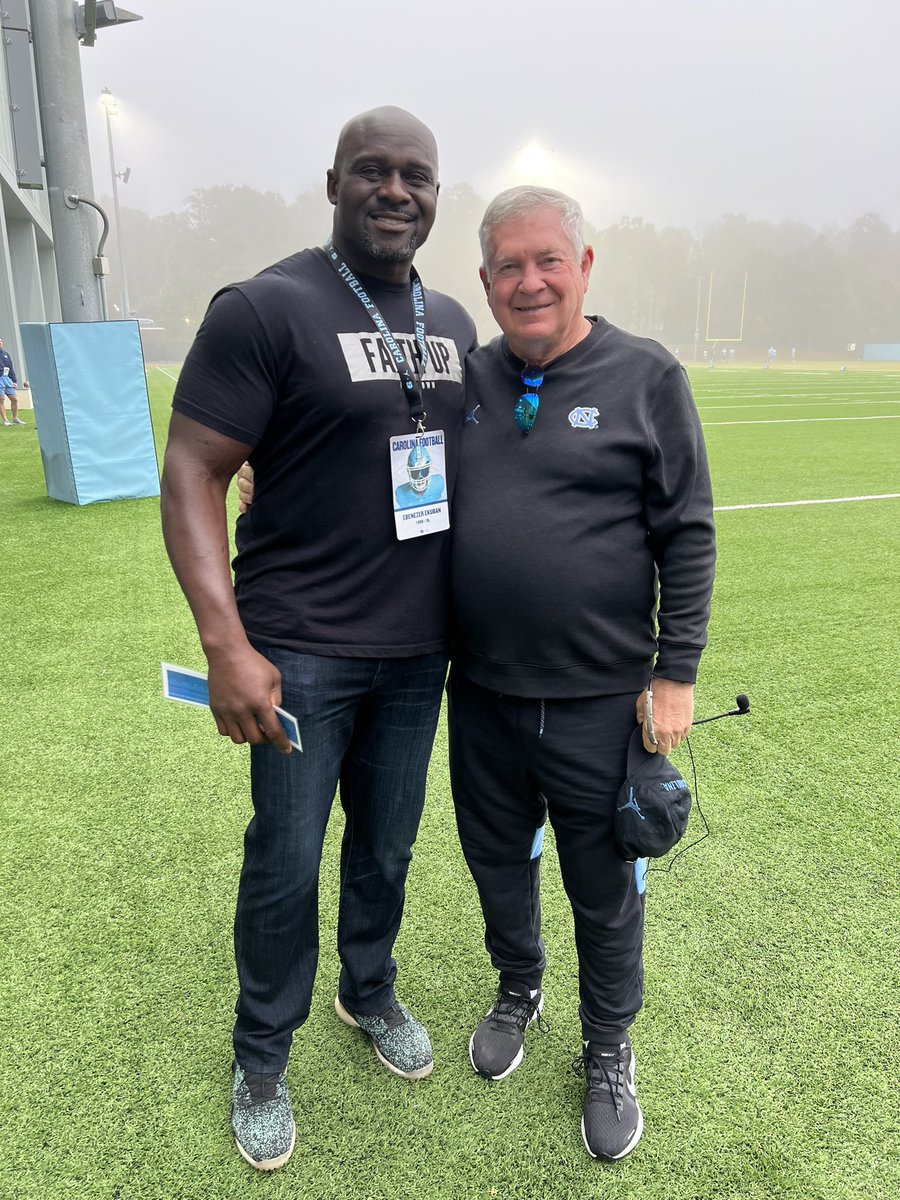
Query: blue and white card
point(191, 687)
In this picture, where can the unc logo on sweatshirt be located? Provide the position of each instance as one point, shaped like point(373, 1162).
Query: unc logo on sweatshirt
point(584, 418)
point(368, 358)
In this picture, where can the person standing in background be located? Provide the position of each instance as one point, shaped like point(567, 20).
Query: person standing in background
point(8, 385)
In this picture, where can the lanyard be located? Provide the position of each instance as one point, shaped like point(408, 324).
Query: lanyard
point(407, 380)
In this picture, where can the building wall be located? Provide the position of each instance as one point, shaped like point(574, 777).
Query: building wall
point(28, 286)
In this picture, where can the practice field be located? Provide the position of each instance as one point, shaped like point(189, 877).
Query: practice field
point(768, 1048)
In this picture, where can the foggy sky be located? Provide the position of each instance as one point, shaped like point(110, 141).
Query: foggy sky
point(677, 113)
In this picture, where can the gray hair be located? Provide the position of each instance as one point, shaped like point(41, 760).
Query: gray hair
point(516, 201)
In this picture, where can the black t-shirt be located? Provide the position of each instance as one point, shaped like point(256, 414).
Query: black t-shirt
point(290, 363)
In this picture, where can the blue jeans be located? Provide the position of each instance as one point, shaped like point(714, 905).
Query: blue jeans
point(368, 725)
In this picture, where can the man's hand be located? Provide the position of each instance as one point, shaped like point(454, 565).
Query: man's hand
point(673, 711)
point(245, 485)
point(244, 687)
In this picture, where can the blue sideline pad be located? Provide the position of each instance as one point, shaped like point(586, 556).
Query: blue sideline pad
point(91, 410)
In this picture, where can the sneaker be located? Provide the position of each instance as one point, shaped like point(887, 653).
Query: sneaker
point(612, 1123)
point(400, 1041)
point(17, 421)
point(262, 1119)
point(5, 422)
point(498, 1044)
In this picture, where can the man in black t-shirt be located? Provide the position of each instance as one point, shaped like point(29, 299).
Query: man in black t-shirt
point(321, 618)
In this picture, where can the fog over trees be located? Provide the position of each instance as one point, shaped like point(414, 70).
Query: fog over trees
point(818, 290)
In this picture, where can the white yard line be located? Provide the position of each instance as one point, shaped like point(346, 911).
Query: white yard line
point(167, 374)
point(800, 398)
point(797, 404)
point(802, 420)
point(798, 503)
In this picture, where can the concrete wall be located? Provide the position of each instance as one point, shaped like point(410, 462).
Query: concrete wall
point(28, 285)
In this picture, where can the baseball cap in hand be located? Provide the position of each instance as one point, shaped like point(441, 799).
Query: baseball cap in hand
point(652, 806)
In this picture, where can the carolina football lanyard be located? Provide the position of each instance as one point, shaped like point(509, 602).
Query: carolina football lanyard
point(407, 380)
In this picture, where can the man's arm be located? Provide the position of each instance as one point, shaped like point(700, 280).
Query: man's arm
point(679, 510)
point(243, 685)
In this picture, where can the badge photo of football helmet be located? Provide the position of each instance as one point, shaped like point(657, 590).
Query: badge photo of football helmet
point(418, 468)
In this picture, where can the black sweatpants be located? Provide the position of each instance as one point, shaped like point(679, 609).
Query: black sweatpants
point(513, 762)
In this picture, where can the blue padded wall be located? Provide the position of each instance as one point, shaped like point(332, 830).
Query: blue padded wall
point(882, 352)
point(91, 410)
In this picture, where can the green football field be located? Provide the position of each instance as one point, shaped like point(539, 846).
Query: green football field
point(768, 1046)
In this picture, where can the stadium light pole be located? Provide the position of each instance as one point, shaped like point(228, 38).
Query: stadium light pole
point(111, 106)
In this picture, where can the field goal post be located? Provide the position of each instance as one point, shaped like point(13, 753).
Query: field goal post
point(716, 341)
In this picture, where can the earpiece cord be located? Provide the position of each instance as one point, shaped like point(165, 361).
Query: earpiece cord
point(707, 831)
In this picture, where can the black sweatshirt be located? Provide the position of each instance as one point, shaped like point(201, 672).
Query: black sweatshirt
point(561, 537)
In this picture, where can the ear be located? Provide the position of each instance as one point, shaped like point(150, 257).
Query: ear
point(331, 184)
point(587, 261)
point(486, 283)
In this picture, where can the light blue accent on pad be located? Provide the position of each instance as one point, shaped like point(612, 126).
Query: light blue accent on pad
point(91, 410)
point(538, 844)
point(640, 874)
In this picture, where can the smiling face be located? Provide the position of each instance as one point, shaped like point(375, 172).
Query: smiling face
point(384, 188)
point(535, 285)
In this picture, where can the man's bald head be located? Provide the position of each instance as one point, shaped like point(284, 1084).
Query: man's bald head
point(369, 126)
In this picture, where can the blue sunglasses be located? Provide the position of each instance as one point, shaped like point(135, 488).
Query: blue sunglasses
point(525, 412)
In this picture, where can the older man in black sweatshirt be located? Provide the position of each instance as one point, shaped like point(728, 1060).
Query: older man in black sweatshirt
point(583, 500)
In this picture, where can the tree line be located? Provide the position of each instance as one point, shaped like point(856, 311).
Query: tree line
point(787, 284)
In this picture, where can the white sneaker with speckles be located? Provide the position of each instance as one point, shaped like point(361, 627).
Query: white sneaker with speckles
point(400, 1041)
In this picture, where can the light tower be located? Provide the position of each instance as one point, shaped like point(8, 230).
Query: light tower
point(111, 105)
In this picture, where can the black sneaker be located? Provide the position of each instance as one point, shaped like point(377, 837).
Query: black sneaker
point(612, 1123)
point(498, 1044)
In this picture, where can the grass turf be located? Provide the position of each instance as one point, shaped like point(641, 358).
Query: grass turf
point(768, 1045)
